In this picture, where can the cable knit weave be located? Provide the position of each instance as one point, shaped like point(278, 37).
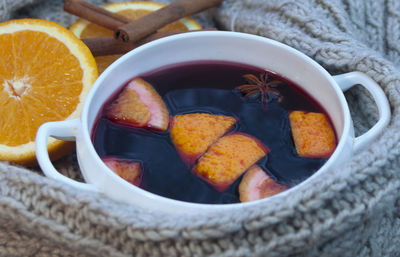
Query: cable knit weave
point(352, 211)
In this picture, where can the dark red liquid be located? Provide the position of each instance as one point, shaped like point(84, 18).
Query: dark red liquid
point(208, 86)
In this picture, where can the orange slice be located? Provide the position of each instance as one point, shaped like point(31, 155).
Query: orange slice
point(45, 74)
point(256, 184)
point(228, 158)
point(129, 170)
point(312, 134)
point(193, 133)
point(139, 105)
point(133, 10)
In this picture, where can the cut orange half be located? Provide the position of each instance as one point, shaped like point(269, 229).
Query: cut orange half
point(133, 10)
point(45, 74)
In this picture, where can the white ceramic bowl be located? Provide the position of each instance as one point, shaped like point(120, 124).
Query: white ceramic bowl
point(210, 45)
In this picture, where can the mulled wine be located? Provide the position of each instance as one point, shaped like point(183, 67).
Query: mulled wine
point(258, 103)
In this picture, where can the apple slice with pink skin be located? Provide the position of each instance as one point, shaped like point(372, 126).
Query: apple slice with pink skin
point(139, 105)
point(131, 171)
point(256, 184)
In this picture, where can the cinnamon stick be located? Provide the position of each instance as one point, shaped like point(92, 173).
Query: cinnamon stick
point(148, 24)
point(95, 14)
point(100, 46)
point(109, 45)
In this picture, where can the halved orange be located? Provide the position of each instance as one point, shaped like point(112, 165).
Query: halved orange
point(45, 74)
point(133, 10)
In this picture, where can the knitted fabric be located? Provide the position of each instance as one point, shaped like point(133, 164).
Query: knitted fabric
point(351, 211)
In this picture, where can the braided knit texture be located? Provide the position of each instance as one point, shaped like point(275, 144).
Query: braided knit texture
point(351, 211)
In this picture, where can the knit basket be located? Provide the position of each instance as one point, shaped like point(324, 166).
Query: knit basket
point(352, 211)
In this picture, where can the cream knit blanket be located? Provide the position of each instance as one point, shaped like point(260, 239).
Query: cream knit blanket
point(354, 211)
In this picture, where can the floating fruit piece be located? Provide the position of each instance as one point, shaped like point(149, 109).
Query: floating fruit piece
point(139, 105)
point(45, 75)
point(133, 10)
point(312, 134)
point(193, 133)
point(256, 184)
point(131, 171)
point(228, 158)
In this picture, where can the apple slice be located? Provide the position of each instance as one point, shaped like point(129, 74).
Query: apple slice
point(139, 105)
point(131, 171)
point(228, 158)
point(312, 134)
point(193, 133)
point(256, 184)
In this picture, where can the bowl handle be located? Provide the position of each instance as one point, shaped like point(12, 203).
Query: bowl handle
point(64, 130)
point(348, 80)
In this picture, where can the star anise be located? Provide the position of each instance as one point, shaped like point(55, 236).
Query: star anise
point(261, 86)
